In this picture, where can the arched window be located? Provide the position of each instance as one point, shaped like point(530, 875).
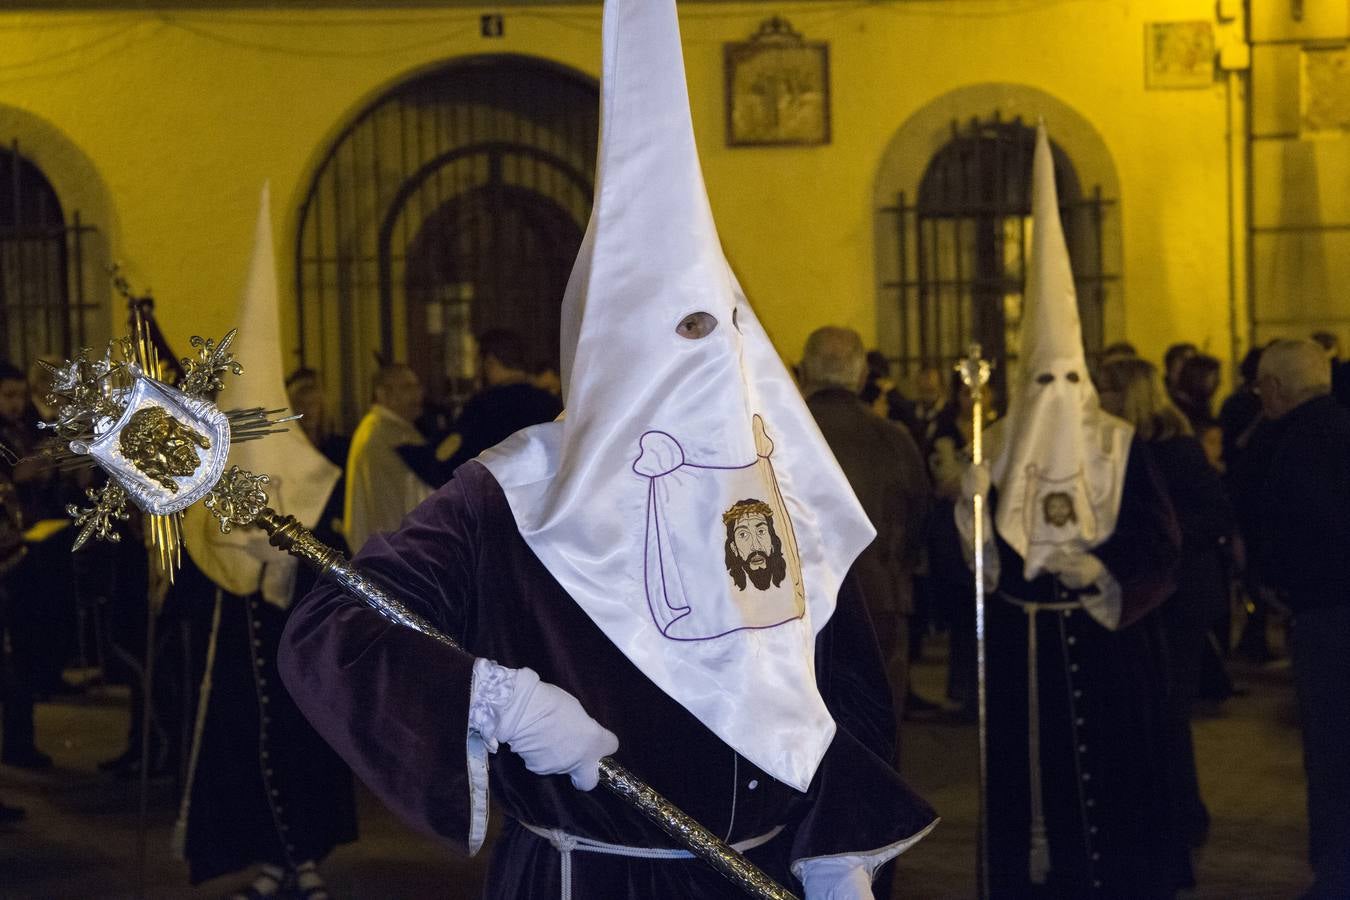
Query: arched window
point(43, 307)
point(452, 205)
point(963, 244)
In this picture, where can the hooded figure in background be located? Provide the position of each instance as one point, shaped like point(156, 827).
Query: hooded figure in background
point(1057, 459)
point(263, 789)
point(659, 575)
point(1083, 550)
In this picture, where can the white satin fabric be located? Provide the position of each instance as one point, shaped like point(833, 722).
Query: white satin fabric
point(634, 500)
point(241, 562)
point(1058, 460)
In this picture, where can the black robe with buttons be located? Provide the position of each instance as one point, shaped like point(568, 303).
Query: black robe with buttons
point(265, 787)
point(1101, 692)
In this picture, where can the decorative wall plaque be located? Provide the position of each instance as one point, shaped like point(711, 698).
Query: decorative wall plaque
point(1179, 54)
point(777, 88)
point(1324, 92)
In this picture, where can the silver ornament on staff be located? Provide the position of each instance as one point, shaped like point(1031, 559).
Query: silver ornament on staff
point(162, 448)
point(974, 371)
point(165, 448)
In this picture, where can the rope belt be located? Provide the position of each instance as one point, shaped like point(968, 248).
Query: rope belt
point(566, 844)
point(1039, 858)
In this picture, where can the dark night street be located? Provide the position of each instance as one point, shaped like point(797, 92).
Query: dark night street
point(80, 837)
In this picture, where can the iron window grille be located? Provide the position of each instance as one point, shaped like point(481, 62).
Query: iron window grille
point(960, 269)
point(45, 309)
point(453, 204)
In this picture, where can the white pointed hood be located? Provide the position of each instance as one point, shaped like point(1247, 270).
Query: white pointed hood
point(687, 501)
point(301, 477)
point(1058, 459)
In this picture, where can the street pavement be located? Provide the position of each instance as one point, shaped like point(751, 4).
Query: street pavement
point(80, 839)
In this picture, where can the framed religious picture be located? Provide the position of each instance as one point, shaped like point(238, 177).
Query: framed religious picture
point(1179, 54)
point(777, 88)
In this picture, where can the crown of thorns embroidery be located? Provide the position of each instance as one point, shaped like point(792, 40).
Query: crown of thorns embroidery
point(743, 508)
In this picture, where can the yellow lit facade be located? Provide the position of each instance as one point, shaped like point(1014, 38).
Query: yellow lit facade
point(160, 127)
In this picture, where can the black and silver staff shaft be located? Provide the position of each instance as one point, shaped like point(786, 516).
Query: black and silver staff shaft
point(974, 371)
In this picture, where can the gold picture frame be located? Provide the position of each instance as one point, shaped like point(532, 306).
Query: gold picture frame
point(777, 88)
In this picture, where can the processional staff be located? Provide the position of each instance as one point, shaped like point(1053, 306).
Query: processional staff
point(166, 448)
point(974, 371)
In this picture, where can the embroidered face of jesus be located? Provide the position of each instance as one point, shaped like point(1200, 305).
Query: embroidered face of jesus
point(1058, 508)
point(753, 549)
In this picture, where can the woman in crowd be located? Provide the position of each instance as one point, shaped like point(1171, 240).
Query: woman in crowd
point(1193, 391)
point(1132, 390)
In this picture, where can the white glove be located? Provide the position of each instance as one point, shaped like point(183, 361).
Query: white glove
point(547, 728)
point(1076, 570)
point(836, 878)
point(975, 480)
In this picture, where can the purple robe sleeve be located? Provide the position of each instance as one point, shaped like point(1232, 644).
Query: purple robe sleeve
point(391, 701)
point(1142, 553)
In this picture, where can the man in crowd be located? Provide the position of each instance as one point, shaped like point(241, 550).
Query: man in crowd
point(882, 394)
point(1305, 552)
point(1173, 359)
point(1330, 344)
point(1117, 351)
point(885, 470)
point(15, 695)
point(304, 392)
point(932, 395)
point(1246, 459)
point(34, 576)
point(381, 487)
point(11, 551)
point(1340, 368)
point(45, 493)
point(508, 401)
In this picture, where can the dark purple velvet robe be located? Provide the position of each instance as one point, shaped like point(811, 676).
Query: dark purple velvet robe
point(1103, 742)
point(395, 705)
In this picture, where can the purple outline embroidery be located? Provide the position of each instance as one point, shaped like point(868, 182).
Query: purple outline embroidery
point(660, 454)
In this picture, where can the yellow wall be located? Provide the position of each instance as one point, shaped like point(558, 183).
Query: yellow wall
point(181, 116)
point(1300, 204)
point(799, 222)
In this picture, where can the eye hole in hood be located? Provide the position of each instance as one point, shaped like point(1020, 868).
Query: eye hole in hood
point(696, 326)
